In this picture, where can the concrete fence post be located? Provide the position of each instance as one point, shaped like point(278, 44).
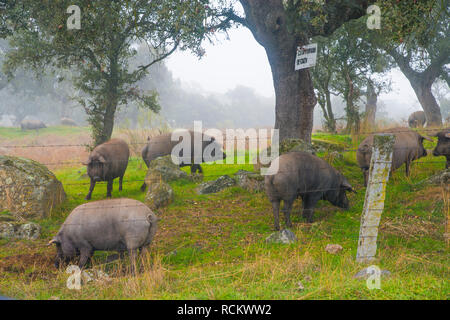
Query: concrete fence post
point(380, 167)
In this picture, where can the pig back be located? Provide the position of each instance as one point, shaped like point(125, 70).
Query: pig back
point(110, 225)
point(158, 146)
point(116, 154)
point(406, 147)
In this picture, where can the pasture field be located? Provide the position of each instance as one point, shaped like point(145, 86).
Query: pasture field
point(213, 246)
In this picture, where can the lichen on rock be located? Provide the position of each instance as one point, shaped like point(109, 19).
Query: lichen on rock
point(27, 188)
point(159, 194)
point(12, 228)
point(215, 186)
point(163, 169)
point(250, 181)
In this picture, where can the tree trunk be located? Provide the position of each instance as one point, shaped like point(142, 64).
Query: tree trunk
point(324, 100)
point(371, 108)
point(353, 119)
point(331, 119)
point(428, 103)
point(295, 98)
point(110, 103)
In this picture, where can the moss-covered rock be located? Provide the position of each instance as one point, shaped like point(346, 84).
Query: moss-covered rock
point(12, 228)
point(215, 186)
point(27, 188)
point(159, 195)
point(250, 181)
point(163, 169)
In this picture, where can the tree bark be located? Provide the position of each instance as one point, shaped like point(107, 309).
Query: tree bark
point(111, 103)
point(325, 104)
point(295, 98)
point(353, 118)
point(371, 107)
point(428, 102)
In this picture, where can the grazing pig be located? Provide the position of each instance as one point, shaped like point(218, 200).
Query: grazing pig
point(32, 125)
point(109, 225)
point(301, 174)
point(443, 146)
point(68, 122)
point(106, 162)
point(408, 147)
point(417, 119)
point(162, 145)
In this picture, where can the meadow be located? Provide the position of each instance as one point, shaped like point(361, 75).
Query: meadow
point(213, 246)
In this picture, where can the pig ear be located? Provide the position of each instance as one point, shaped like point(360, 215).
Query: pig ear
point(102, 159)
point(347, 186)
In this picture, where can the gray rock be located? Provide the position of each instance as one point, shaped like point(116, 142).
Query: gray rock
point(285, 236)
point(250, 181)
point(442, 178)
point(163, 169)
point(159, 195)
point(28, 188)
point(20, 230)
point(364, 273)
point(217, 185)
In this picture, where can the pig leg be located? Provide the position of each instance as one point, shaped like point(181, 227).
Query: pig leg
point(133, 258)
point(85, 256)
point(91, 188)
point(143, 187)
point(195, 168)
point(366, 177)
point(120, 183)
point(309, 202)
point(276, 214)
point(287, 207)
point(109, 188)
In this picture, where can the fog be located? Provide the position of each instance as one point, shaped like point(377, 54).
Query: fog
point(231, 87)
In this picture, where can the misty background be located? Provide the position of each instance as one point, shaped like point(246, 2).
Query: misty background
point(230, 87)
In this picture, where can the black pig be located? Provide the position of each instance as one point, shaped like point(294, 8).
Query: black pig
point(304, 175)
point(106, 162)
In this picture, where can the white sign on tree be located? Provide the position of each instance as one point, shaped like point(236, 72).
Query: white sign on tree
point(306, 56)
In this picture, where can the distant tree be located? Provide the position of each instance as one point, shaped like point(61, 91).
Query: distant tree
point(421, 55)
point(374, 87)
point(100, 51)
point(322, 75)
point(350, 66)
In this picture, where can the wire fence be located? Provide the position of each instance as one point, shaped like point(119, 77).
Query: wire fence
point(150, 180)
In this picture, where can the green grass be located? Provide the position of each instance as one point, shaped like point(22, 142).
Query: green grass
point(14, 133)
point(213, 246)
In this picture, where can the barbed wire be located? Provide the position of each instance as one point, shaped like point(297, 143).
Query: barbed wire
point(151, 181)
point(225, 140)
